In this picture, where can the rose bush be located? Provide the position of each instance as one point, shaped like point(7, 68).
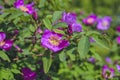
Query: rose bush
point(59, 40)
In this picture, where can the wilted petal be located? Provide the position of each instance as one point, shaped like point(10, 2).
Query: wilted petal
point(2, 36)
point(8, 44)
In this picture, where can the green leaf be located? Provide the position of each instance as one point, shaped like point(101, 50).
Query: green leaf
point(6, 74)
point(62, 56)
point(59, 31)
point(89, 33)
point(102, 43)
point(14, 16)
point(71, 54)
point(96, 55)
point(56, 15)
point(47, 23)
point(32, 28)
point(60, 25)
point(41, 3)
point(15, 71)
point(46, 64)
point(4, 56)
point(83, 46)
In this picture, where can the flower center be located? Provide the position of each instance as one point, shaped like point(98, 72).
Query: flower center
point(105, 23)
point(2, 43)
point(54, 40)
point(23, 8)
point(108, 74)
point(90, 20)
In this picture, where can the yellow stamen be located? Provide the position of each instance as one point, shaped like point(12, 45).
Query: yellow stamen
point(2, 43)
point(23, 8)
point(105, 23)
point(54, 40)
point(90, 20)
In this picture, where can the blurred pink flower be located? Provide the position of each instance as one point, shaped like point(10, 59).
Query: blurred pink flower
point(107, 72)
point(118, 39)
point(118, 29)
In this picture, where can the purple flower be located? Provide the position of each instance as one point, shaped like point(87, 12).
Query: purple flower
point(19, 4)
point(91, 40)
point(118, 29)
point(1, 8)
point(30, 8)
point(104, 23)
point(69, 18)
point(118, 39)
point(18, 48)
point(107, 72)
point(118, 67)
point(28, 74)
point(53, 41)
point(39, 30)
point(35, 15)
point(5, 44)
point(90, 20)
point(108, 60)
point(75, 27)
point(92, 60)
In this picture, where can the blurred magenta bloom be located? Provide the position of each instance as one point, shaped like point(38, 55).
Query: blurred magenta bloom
point(90, 20)
point(91, 60)
point(118, 39)
point(118, 67)
point(35, 15)
point(107, 72)
point(108, 60)
point(104, 23)
point(53, 41)
point(69, 18)
point(39, 30)
point(19, 4)
point(1, 8)
point(118, 29)
point(91, 40)
point(28, 74)
point(75, 27)
point(18, 48)
point(5, 44)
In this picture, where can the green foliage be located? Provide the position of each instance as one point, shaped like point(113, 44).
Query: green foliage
point(4, 56)
point(46, 64)
point(83, 46)
point(72, 62)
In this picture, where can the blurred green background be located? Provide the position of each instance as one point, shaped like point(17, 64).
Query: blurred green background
point(99, 7)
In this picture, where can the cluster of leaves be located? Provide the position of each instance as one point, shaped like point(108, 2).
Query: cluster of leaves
point(71, 63)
